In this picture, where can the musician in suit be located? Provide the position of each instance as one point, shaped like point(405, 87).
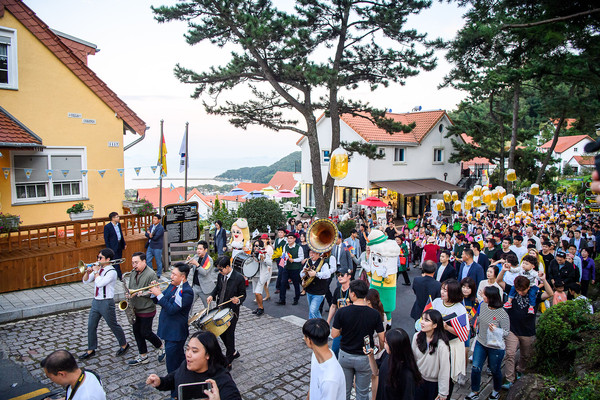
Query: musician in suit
point(114, 240)
point(469, 268)
point(175, 301)
point(231, 285)
point(202, 274)
point(220, 238)
point(425, 286)
point(155, 234)
point(445, 270)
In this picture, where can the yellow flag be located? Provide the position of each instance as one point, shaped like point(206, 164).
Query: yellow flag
point(162, 155)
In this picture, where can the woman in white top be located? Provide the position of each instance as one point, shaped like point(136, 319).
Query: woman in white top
point(432, 354)
point(450, 304)
point(491, 274)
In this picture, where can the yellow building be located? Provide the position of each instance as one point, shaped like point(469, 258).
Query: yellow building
point(59, 123)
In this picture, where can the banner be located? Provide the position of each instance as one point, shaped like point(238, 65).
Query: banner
point(172, 187)
point(65, 172)
point(182, 153)
point(137, 170)
point(153, 168)
point(121, 171)
point(101, 172)
point(162, 156)
point(28, 172)
point(49, 173)
point(6, 172)
point(84, 172)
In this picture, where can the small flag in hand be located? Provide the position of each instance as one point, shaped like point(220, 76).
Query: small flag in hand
point(461, 327)
point(429, 305)
point(178, 296)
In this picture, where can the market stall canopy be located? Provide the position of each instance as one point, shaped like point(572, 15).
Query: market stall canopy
point(285, 193)
point(415, 187)
point(255, 194)
point(236, 192)
point(372, 202)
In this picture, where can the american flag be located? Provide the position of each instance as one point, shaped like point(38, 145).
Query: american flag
point(461, 327)
point(284, 259)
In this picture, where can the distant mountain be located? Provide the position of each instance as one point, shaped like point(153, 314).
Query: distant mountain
point(263, 174)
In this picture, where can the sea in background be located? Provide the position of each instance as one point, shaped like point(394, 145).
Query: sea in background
point(147, 183)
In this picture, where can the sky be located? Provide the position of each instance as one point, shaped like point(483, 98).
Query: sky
point(136, 60)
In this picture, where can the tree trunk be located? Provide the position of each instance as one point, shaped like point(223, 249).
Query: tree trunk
point(515, 129)
point(321, 200)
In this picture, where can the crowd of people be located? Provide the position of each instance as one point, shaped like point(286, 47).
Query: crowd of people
point(485, 277)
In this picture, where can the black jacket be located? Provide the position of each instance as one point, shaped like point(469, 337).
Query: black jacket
point(227, 388)
point(449, 272)
point(236, 286)
point(568, 273)
point(424, 286)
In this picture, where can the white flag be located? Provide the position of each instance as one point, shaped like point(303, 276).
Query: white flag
point(182, 153)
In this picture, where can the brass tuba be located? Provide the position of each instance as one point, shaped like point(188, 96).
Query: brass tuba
point(321, 235)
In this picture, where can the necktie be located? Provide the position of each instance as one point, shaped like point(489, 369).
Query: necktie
point(222, 294)
point(97, 288)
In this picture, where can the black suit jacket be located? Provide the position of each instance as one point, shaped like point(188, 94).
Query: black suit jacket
point(449, 272)
point(484, 261)
point(424, 286)
point(236, 286)
point(111, 241)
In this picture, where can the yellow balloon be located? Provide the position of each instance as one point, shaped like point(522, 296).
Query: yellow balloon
point(457, 206)
point(511, 175)
point(447, 196)
point(338, 164)
point(476, 201)
point(477, 190)
point(454, 196)
point(535, 189)
point(492, 206)
point(469, 196)
point(440, 205)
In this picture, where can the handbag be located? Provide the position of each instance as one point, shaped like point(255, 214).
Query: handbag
point(495, 338)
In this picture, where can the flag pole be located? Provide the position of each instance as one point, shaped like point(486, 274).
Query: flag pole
point(160, 210)
point(187, 156)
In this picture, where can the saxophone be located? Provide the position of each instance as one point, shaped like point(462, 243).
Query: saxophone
point(124, 304)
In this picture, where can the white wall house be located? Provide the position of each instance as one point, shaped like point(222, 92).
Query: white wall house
point(581, 164)
point(566, 148)
point(415, 165)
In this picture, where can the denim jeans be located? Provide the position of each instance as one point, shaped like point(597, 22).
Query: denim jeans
point(314, 302)
point(494, 357)
point(358, 372)
point(157, 255)
point(335, 346)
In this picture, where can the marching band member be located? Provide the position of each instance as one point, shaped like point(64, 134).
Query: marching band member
point(202, 274)
point(104, 277)
point(317, 268)
point(261, 279)
point(231, 285)
point(144, 308)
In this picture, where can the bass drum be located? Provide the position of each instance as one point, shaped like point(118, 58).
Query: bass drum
point(246, 265)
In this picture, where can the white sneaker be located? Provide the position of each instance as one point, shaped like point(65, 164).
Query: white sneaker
point(139, 360)
point(161, 353)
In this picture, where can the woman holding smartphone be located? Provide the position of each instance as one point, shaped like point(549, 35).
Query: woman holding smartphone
point(203, 360)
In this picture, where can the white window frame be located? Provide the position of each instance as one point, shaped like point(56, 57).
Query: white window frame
point(575, 149)
point(435, 159)
point(13, 70)
point(48, 152)
point(380, 151)
point(396, 151)
point(325, 159)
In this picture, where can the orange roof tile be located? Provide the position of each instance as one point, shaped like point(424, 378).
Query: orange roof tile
point(45, 35)
point(583, 160)
point(202, 197)
point(468, 139)
point(477, 160)
point(283, 180)
point(565, 142)
point(15, 134)
point(568, 124)
point(250, 186)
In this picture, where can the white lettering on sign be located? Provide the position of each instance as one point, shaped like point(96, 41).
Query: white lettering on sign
point(74, 115)
point(89, 121)
point(113, 144)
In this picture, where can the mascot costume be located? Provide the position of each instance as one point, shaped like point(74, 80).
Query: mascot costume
point(240, 237)
point(382, 267)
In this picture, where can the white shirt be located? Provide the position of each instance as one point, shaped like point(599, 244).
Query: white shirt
point(106, 279)
point(440, 272)
point(327, 381)
point(90, 389)
point(519, 251)
point(117, 231)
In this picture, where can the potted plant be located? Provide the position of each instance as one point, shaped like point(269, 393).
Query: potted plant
point(79, 211)
point(144, 208)
point(9, 223)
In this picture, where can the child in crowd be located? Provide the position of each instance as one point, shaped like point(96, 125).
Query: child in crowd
point(527, 269)
point(560, 295)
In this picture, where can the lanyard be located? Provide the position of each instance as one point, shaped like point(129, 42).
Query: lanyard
point(79, 380)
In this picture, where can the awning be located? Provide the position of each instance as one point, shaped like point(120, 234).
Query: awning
point(418, 186)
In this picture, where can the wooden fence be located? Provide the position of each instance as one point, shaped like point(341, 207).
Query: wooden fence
point(35, 250)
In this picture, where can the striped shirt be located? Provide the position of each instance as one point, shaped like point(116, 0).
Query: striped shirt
point(486, 317)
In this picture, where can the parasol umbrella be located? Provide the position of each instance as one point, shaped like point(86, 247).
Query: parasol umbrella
point(255, 194)
point(285, 194)
point(372, 202)
point(236, 192)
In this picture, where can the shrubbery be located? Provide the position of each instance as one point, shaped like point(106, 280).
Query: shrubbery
point(346, 226)
point(260, 213)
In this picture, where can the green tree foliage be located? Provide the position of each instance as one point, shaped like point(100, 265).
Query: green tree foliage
point(512, 50)
point(296, 62)
point(262, 213)
point(263, 174)
point(221, 213)
point(346, 226)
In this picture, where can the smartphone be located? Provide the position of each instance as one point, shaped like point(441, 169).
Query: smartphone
point(367, 341)
point(190, 391)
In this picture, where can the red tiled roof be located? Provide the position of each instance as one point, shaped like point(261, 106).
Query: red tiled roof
point(565, 142)
point(468, 139)
point(45, 35)
point(568, 124)
point(425, 121)
point(283, 180)
point(477, 160)
point(13, 133)
point(584, 160)
point(202, 197)
point(168, 196)
point(249, 186)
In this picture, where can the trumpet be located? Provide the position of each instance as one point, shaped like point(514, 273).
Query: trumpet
point(124, 304)
point(81, 268)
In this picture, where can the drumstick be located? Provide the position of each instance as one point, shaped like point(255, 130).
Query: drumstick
point(235, 297)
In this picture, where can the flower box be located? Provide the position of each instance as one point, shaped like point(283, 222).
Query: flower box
point(87, 214)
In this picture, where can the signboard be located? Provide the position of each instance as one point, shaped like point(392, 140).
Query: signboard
point(181, 222)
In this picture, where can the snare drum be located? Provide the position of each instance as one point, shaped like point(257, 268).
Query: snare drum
point(217, 321)
point(246, 265)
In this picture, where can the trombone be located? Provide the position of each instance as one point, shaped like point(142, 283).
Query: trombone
point(81, 268)
point(123, 304)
